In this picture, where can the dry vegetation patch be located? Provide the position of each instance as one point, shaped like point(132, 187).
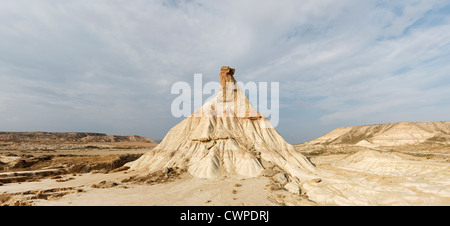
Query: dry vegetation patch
point(163, 176)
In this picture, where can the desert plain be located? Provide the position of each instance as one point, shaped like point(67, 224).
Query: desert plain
point(363, 165)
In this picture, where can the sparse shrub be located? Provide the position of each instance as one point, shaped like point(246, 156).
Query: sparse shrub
point(5, 198)
point(316, 152)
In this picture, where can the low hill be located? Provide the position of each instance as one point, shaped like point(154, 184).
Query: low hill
point(390, 134)
point(72, 137)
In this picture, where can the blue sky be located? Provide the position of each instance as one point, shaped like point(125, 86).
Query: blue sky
point(108, 66)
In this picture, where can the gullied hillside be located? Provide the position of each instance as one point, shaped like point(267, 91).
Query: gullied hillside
point(226, 137)
point(391, 134)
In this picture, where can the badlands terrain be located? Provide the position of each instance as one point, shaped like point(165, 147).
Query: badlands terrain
point(396, 164)
point(415, 171)
point(227, 153)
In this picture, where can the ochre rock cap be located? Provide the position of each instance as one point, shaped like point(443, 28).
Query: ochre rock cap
point(226, 75)
point(227, 70)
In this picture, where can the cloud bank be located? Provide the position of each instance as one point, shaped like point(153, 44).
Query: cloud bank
point(108, 66)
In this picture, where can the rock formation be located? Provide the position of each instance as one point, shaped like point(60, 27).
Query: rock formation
point(391, 134)
point(73, 137)
point(226, 136)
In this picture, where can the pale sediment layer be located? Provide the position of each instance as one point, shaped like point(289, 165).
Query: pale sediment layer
point(391, 134)
point(225, 136)
point(383, 178)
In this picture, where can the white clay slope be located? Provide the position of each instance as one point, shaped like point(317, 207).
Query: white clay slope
point(397, 180)
point(225, 136)
point(391, 134)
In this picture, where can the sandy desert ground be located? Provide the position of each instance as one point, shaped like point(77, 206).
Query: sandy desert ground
point(377, 177)
point(106, 187)
point(387, 164)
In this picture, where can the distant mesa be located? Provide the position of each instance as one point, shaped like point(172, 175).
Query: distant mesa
point(390, 134)
point(70, 137)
